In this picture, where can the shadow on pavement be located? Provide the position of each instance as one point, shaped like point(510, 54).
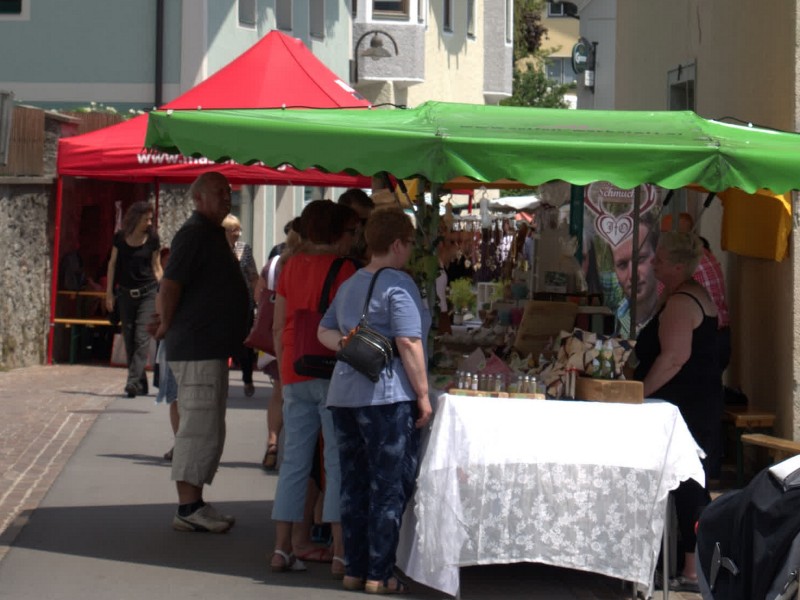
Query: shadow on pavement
point(158, 461)
point(143, 534)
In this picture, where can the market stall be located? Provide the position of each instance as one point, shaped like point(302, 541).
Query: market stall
point(439, 142)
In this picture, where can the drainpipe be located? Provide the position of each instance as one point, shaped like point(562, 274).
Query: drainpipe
point(159, 53)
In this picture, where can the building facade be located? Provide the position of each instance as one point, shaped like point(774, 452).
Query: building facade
point(445, 50)
point(563, 31)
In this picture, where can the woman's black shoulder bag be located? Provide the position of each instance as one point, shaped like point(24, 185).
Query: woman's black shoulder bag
point(366, 350)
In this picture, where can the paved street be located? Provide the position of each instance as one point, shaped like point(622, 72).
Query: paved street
point(86, 505)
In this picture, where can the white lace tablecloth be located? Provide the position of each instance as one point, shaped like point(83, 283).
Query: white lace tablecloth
point(582, 485)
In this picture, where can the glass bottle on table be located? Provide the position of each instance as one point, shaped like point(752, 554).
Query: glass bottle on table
point(499, 383)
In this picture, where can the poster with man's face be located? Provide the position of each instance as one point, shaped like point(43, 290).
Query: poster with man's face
point(608, 248)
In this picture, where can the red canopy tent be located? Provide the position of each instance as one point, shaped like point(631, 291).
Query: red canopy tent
point(277, 72)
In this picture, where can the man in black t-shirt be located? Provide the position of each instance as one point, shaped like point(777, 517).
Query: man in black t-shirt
point(202, 316)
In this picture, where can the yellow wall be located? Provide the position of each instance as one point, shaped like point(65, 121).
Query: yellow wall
point(562, 33)
point(746, 61)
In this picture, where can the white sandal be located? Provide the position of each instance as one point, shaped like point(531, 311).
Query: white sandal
point(290, 563)
point(336, 572)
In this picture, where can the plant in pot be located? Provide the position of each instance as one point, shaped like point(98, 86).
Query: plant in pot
point(462, 298)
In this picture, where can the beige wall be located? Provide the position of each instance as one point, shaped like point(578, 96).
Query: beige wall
point(453, 62)
point(746, 61)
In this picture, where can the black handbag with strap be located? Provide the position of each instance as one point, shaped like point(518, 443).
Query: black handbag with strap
point(366, 350)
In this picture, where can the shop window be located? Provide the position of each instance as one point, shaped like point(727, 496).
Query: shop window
point(471, 18)
point(681, 86)
point(283, 14)
point(562, 9)
point(11, 7)
point(316, 18)
point(15, 10)
point(390, 9)
point(447, 15)
point(560, 70)
point(247, 13)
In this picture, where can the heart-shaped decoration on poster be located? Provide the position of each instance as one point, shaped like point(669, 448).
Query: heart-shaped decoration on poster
point(614, 209)
point(614, 229)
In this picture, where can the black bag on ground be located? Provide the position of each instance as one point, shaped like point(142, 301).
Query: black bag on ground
point(366, 350)
point(748, 540)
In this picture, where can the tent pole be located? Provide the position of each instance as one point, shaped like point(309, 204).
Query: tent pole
point(54, 267)
point(637, 203)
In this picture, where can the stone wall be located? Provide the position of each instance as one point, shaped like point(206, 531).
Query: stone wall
point(174, 208)
point(25, 267)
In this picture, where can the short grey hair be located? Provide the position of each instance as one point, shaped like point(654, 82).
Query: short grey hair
point(682, 248)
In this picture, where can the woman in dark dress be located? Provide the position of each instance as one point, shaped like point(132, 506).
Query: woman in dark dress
point(679, 362)
point(135, 269)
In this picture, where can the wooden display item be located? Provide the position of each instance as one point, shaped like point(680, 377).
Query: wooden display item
point(460, 392)
point(541, 322)
point(609, 390)
point(528, 396)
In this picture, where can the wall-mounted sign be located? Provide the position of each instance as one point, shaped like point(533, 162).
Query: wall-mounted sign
point(580, 55)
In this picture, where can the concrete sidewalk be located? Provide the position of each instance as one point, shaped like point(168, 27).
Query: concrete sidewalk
point(86, 505)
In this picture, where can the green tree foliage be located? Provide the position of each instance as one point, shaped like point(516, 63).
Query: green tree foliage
point(528, 29)
point(531, 87)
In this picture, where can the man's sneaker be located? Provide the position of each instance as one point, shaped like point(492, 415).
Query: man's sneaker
point(219, 516)
point(203, 519)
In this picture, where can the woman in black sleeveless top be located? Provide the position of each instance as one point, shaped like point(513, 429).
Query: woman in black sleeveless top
point(679, 362)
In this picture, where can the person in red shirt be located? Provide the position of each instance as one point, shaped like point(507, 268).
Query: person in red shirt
point(329, 231)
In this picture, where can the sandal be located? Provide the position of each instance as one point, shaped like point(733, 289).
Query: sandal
point(353, 584)
point(338, 567)
point(270, 461)
point(289, 562)
point(392, 585)
point(684, 584)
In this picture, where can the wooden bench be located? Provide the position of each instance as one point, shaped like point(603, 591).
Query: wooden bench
point(91, 322)
point(744, 421)
point(779, 448)
point(75, 324)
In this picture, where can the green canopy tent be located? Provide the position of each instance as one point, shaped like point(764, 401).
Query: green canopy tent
point(443, 141)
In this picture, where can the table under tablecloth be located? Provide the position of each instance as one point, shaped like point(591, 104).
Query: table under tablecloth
point(582, 485)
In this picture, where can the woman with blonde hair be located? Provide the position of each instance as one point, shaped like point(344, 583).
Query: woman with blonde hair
point(679, 362)
point(244, 254)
